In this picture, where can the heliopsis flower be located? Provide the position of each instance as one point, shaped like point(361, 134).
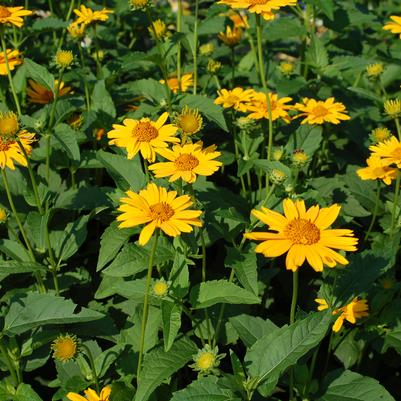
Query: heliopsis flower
point(41, 95)
point(389, 150)
point(63, 58)
point(158, 29)
point(207, 49)
point(213, 66)
point(395, 26)
point(139, 4)
point(393, 108)
point(144, 135)
point(76, 31)
point(189, 121)
point(303, 234)
point(277, 176)
point(239, 20)
point(65, 347)
point(380, 134)
point(319, 111)
point(158, 208)
point(374, 70)
point(3, 215)
point(186, 162)
point(286, 68)
point(207, 360)
point(377, 169)
point(186, 82)
point(299, 158)
point(231, 37)
point(88, 16)
point(237, 98)
point(278, 107)
point(91, 395)
point(263, 7)
point(13, 15)
point(160, 288)
point(14, 59)
point(356, 309)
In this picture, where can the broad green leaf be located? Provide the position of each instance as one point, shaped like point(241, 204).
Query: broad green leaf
point(67, 138)
point(316, 55)
point(39, 74)
point(220, 291)
point(17, 267)
point(171, 317)
point(149, 88)
point(14, 250)
point(160, 365)
point(49, 24)
point(307, 137)
point(284, 28)
point(351, 386)
point(36, 228)
point(102, 102)
point(36, 310)
point(26, 393)
point(204, 389)
point(274, 353)
point(84, 198)
point(121, 392)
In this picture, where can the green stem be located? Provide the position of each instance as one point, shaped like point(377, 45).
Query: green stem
point(311, 371)
point(375, 210)
point(86, 88)
point(233, 66)
point(62, 37)
point(397, 124)
point(196, 46)
point(97, 59)
point(10, 78)
point(146, 302)
point(179, 29)
point(92, 366)
point(295, 285)
point(203, 244)
point(9, 362)
point(395, 204)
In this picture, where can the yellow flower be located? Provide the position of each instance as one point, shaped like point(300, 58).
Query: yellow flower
point(9, 125)
point(299, 158)
point(263, 7)
point(277, 176)
point(389, 150)
point(139, 4)
point(189, 121)
point(64, 58)
point(186, 162)
point(393, 108)
point(186, 82)
point(76, 121)
point(319, 112)
point(380, 134)
point(231, 37)
point(158, 29)
point(286, 68)
point(237, 98)
point(41, 95)
point(278, 107)
point(206, 360)
point(395, 26)
point(160, 288)
point(158, 208)
point(239, 20)
point(99, 133)
point(356, 309)
point(65, 347)
point(91, 395)
point(14, 59)
point(207, 49)
point(3, 215)
point(377, 169)
point(10, 150)
point(303, 234)
point(88, 16)
point(374, 70)
point(13, 15)
point(278, 153)
point(143, 135)
point(77, 31)
point(213, 66)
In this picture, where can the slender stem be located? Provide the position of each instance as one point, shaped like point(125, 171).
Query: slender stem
point(397, 124)
point(328, 354)
point(62, 37)
point(395, 204)
point(179, 29)
point(202, 237)
point(295, 285)
point(92, 366)
point(146, 302)
point(9, 362)
point(97, 48)
point(10, 78)
point(233, 66)
point(196, 46)
point(375, 210)
point(86, 88)
point(311, 371)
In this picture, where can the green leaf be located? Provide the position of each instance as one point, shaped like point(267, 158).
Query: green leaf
point(307, 137)
point(327, 6)
point(204, 389)
point(49, 23)
point(149, 88)
point(316, 55)
point(67, 138)
point(160, 365)
point(14, 250)
point(171, 317)
point(126, 173)
point(36, 310)
point(26, 393)
point(17, 267)
point(39, 74)
point(271, 355)
point(351, 386)
point(102, 102)
point(220, 291)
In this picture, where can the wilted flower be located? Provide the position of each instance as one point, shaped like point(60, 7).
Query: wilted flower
point(231, 37)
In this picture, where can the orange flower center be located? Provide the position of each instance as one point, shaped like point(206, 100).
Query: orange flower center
point(65, 349)
point(4, 12)
point(320, 111)
point(301, 231)
point(396, 153)
point(145, 132)
point(161, 212)
point(186, 162)
point(189, 123)
point(4, 146)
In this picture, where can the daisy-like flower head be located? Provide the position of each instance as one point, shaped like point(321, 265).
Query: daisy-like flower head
point(187, 162)
point(286, 68)
point(13, 15)
point(41, 95)
point(91, 395)
point(303, 234)
point(158, 29)
point(160, 288)
point(377, 169)
point(14, 59)
point(394, 26)
point(9, 125)
point(144, 135)
point(213, 66)
point(299, 158)
point(277, 176)
point(393, 108)
point(321, 111)
point(239, 20)
point(231, 37)
point(187, 82)
point(189, 121)
point(88, 16)
point(10, 150)
point(158, 208)
point(63, 58)
point(356, 309)
point(207, 49)
point(65, 348)
point(207, 360)
point(278, 107)
point(139, 4)
point(389, 150)
point(3, 215)
point(374, 70)
point(236, 98)
point(380, 134)
point(76, 31)
point(263, 7)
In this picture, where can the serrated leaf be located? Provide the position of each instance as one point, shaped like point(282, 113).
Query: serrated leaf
point(26, 393)
point(39, 74)
point(66, 137)
point(171, 317)
point(307, 137)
